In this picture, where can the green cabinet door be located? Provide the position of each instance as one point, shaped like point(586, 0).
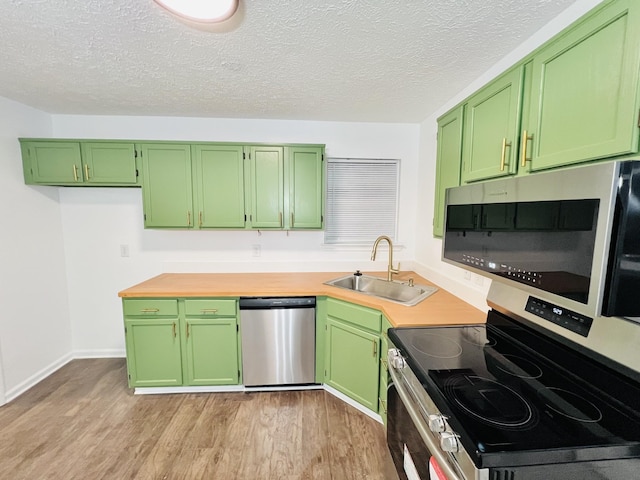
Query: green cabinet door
point(351, 362)
point(166, 185)
point(491, 128)
point(153, 352)
point(219, 184)
point(58, 163)
point(384, 371)
point(109, 163)
point(267, 187)
point(211, 347)
point(305, 187)
point(448, 162)
point(585, 88)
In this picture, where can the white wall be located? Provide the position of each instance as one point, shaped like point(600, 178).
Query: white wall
point(466, 285)
point(35, 331)
point(97, 221)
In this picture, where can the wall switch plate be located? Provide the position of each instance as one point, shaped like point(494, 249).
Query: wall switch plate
point(124, 250)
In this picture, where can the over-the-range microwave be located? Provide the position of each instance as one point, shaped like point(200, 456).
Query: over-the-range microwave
point(569, 238)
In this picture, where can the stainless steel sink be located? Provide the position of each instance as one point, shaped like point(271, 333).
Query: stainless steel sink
point(394, 291)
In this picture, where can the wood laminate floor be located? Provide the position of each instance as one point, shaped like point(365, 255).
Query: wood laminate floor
point(83, 422)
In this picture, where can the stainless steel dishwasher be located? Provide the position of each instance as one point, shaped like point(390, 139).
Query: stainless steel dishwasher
point(278, 340)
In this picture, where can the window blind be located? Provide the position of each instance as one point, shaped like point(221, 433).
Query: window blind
point(361, 201)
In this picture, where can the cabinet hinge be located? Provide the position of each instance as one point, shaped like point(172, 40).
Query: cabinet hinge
point(321, 218)
point(125, 329)
point(322, 157)
point(237, 327)
point(245, 218)
point(135, 154)
point(325, 327)
point(129, 376)
point(244, 156)
point(144, 216)
point(137, 173)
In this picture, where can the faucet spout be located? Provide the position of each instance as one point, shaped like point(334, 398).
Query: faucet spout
point(390, 269)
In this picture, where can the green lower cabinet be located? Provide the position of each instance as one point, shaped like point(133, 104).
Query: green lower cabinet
point(153, 352)
point(351, 362)
point(174, 342)
point(211, 351)
point(384, 371)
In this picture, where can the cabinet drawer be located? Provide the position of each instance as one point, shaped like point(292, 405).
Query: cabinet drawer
point(355, 314)
point(150, 307)
point(211, 307)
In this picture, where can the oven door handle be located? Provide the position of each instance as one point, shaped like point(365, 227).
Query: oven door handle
point(434, 449)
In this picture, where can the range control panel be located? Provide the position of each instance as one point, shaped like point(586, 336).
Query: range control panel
point(573, 321)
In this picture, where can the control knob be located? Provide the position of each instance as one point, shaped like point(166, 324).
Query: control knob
point(396, 360)
point(449, 442)
point(437, 423)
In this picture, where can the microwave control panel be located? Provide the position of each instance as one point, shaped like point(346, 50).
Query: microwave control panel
point(561, 316)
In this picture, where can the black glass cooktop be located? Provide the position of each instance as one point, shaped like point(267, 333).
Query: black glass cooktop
point(515, 395)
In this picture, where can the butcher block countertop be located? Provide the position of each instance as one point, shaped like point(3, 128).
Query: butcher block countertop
point(441, 308)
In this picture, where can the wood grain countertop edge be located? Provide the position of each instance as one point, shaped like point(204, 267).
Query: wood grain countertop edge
point(441, 308)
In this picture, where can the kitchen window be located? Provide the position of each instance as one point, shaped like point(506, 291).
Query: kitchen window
point(361, 200)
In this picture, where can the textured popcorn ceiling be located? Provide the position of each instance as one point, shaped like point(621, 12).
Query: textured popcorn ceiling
point(339, 60)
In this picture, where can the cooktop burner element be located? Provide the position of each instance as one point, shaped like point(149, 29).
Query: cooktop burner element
point(434, 345)
point(489, 401)
point(570, 405)
point(506, 389)
point(519, 367)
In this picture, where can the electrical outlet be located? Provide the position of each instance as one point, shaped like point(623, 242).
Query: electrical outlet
point(467, 275)
point(479, 280)
point(124, 250)
point(256, 250)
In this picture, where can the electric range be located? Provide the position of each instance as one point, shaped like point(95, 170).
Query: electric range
point(505, 401)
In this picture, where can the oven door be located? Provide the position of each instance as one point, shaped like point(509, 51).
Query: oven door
point(414, 448)
point(408, 450)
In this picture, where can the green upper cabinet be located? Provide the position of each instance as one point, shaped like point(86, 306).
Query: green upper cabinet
point(166, 185)
point(218, 180)
point(69, 163)
point(491, 128)
point(219, 185)
point(305, 187)
point(267, 186)
point(448, 162)
point(584, 93)
point(109, 163)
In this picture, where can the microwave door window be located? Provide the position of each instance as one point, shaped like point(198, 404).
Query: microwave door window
point(547, 245)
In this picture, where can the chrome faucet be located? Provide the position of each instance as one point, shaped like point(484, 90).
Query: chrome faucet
point(390, 269)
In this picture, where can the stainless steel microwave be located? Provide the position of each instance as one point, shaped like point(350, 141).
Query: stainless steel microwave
point(570, 236)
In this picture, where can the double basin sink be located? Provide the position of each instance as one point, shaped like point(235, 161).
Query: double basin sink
point(394, 291)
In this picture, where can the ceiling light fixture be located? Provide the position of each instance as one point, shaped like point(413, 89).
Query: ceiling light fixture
point(205, 11)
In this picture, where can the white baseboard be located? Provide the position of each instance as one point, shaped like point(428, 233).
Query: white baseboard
point(222, 388)
point(207, 389)
point(106, 353)
point(37, 377)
